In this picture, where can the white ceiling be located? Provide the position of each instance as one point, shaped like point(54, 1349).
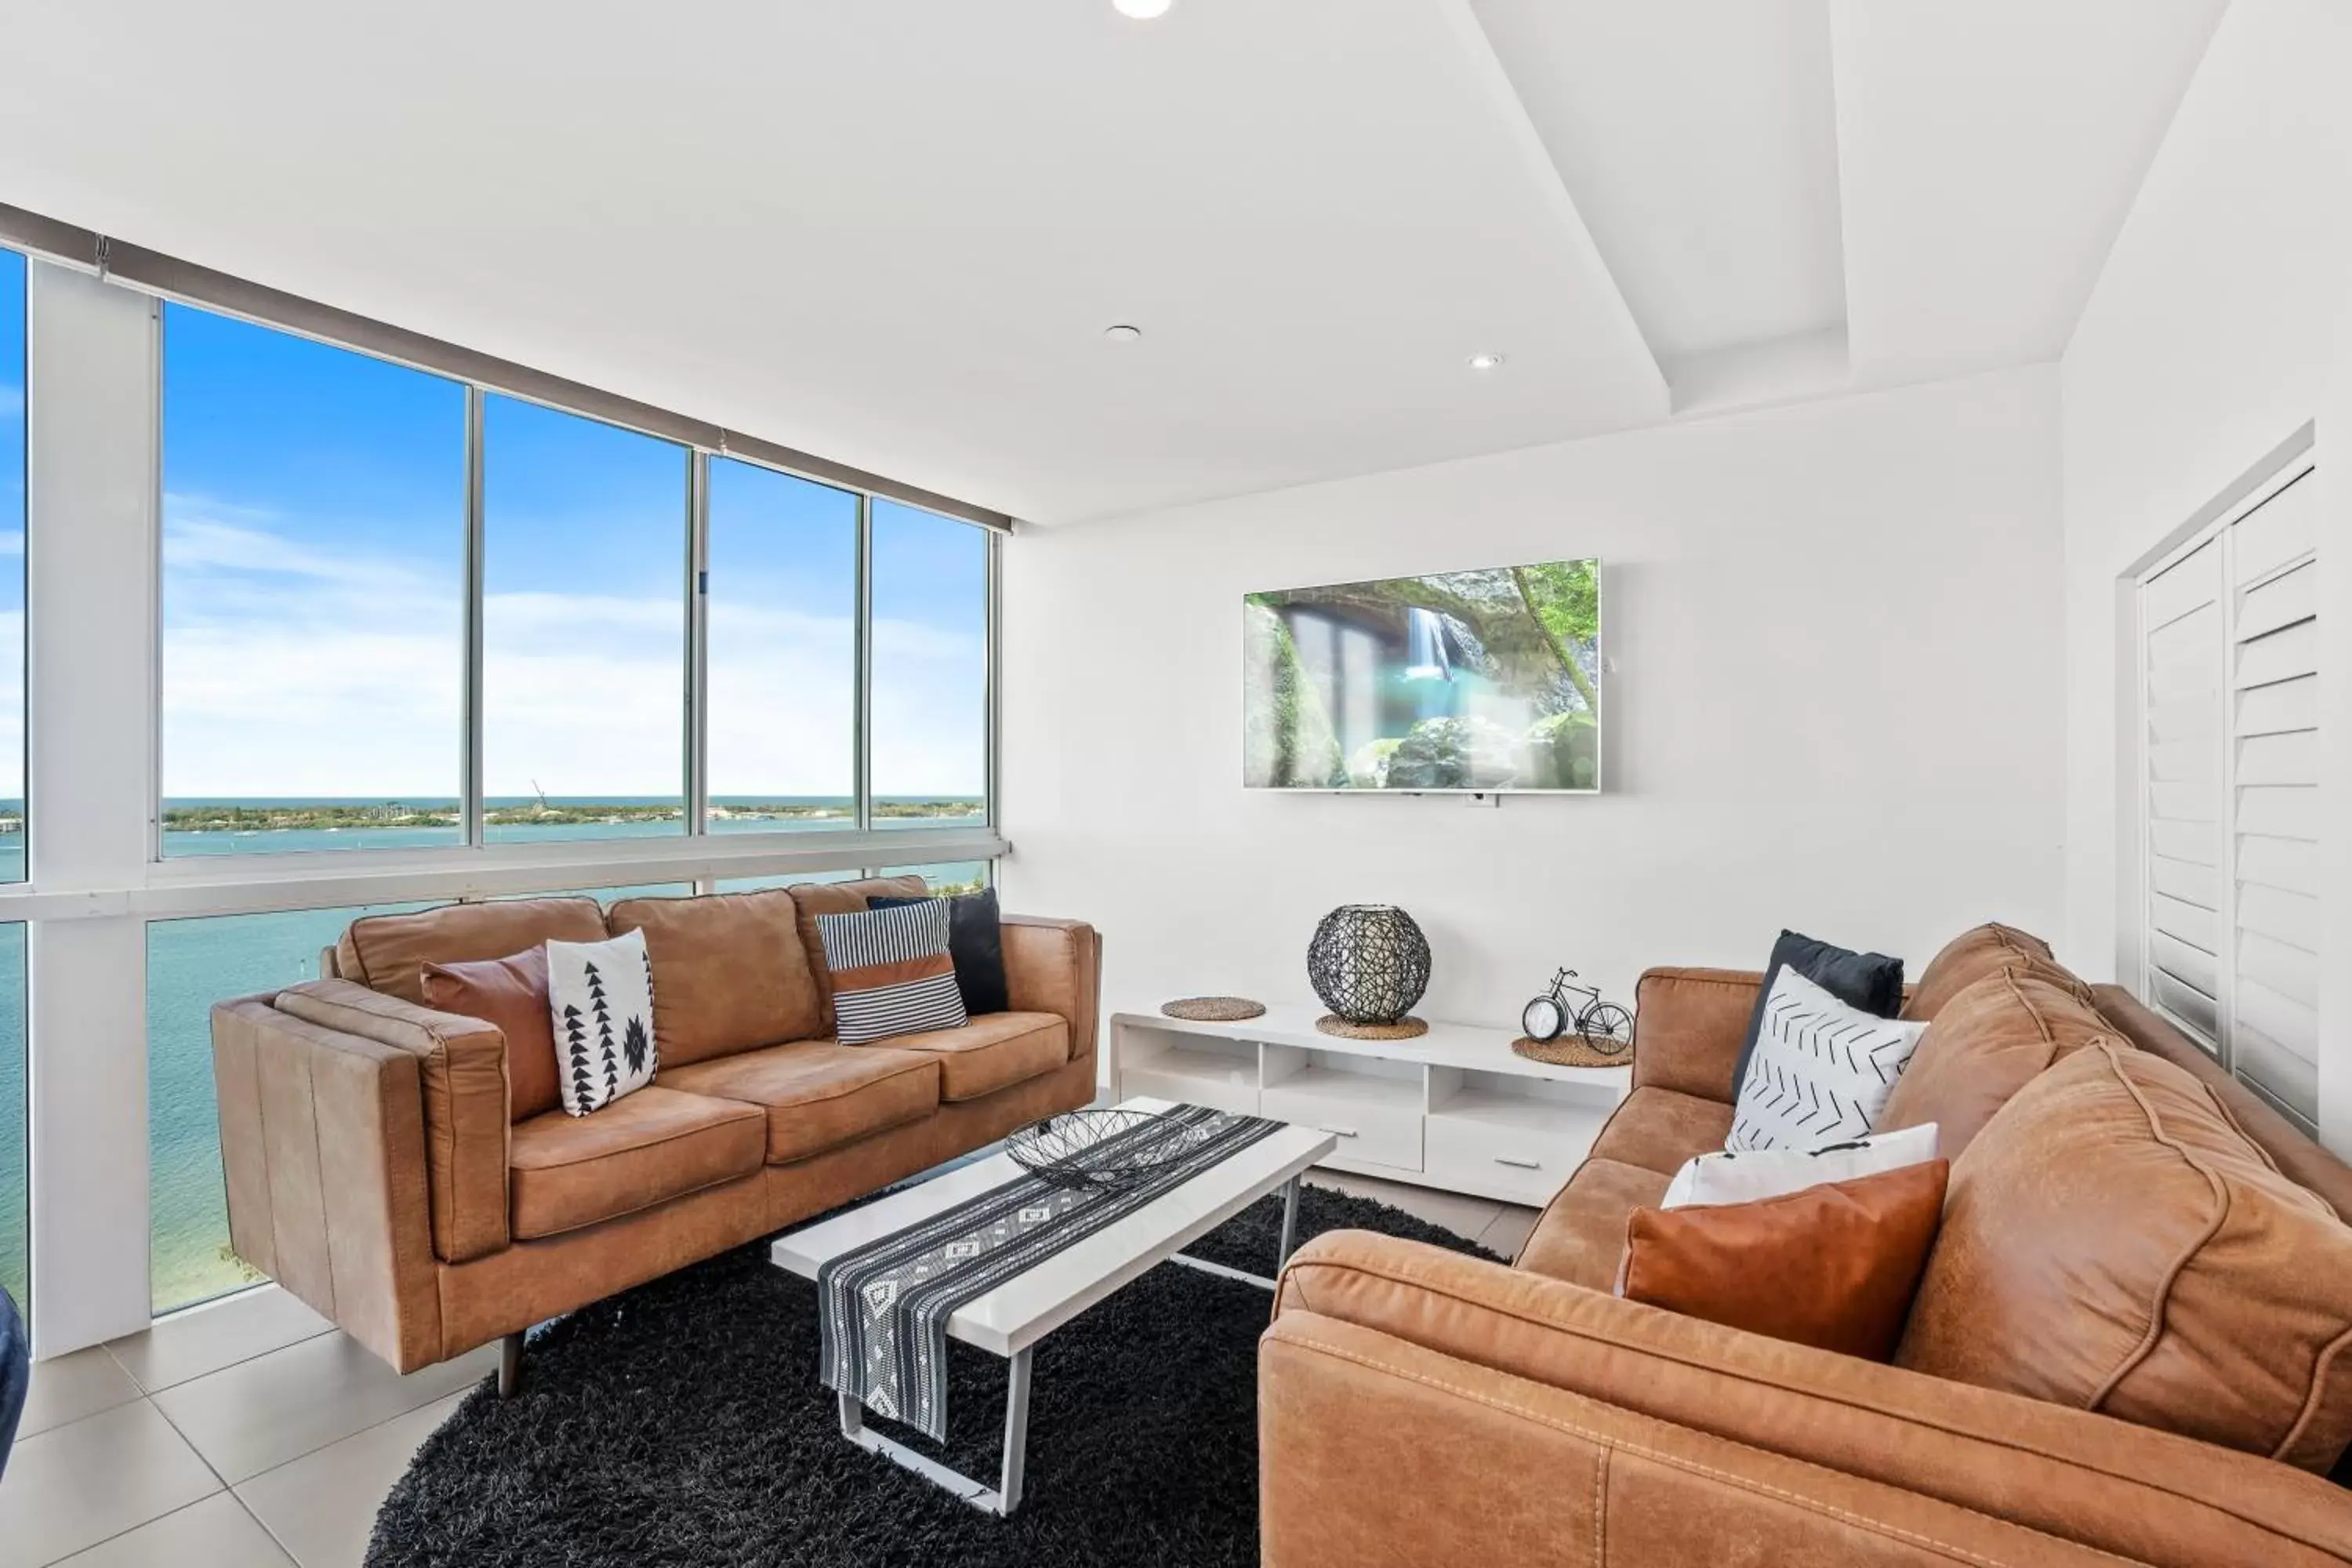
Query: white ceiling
point(894, 233)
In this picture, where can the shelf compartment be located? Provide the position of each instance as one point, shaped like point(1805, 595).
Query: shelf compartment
point(1195, 1070)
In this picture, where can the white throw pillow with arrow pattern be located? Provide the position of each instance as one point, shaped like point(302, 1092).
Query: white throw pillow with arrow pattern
point(601, 997)
point(1821, 1071)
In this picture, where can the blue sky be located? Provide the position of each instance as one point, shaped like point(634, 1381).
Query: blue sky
point(313, 594)
point(12, 524)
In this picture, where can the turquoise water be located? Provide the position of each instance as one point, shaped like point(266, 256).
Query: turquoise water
point(191, 964)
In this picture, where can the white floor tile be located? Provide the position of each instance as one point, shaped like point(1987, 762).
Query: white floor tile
point(77, 1485)
point(69, 1387)
point(323, 1506)
point(1457, 1212)
point(215, 1533)
point(205, 1339)
point(258, 1414)
point(1509, 1231)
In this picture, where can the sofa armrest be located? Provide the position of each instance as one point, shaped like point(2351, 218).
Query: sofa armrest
point(1559, 1417)
point(322, 1143)
point(462, 1071)
point(1055, 967)
point(1687, 1028)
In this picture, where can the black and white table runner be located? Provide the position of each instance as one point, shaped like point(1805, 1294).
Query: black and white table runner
point(884, 1307)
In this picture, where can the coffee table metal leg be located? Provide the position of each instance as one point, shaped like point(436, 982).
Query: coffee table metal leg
point(1007, 1495)
point(1290, 1223)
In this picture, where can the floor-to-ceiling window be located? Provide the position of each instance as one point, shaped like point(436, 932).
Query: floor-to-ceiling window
point(313, 594)
point(14, 1217)
point(583, 627)
point(929, 707)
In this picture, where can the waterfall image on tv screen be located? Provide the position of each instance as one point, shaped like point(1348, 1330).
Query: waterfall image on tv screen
point(1484, 680)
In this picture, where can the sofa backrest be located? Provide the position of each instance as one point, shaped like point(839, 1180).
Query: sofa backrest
point(2296, 1156)
point(729, 972)
point(1984, 1045)
point(389, 953)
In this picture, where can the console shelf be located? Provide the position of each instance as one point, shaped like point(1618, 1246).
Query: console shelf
point(1455, 1108)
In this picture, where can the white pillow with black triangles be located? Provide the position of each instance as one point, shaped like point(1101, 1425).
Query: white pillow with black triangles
point(601, 996)
point(1821, 1071)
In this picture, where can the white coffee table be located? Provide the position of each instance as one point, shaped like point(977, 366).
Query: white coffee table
point(1010, 1319)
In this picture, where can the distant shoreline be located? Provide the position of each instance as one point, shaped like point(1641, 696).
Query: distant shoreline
point(295, 815)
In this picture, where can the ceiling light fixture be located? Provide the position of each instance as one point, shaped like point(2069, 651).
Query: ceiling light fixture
point(1486, 362)
point(1122, 333)
point(1141, 10)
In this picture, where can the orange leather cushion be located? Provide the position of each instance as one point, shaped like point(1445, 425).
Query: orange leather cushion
point(1660, 1130)
point(1986, 1043)
point(1973, 954)
point(729, 972)
point(994, 1051)
point(818, 1095)
point(389, 953)
point(1581, 1235)
point(511, 993)
point(644, 1148)
point(2115, 1242)
point(1833, 1266)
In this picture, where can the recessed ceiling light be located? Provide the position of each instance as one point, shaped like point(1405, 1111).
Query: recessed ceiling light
point(1486, 362)
point(1141, 10)
point(1122, 333)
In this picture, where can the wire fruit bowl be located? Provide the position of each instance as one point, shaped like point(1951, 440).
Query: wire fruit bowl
point(1063, 1148)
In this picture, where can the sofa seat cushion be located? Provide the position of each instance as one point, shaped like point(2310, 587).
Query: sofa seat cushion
point(2115, 1242)
point(566, 1172)
point(994, 1051)
point(1663, 1129)
point(1974, 954)
point(1581, 1235)
point(729, 972)
point(817, 1095)
point(389, 953)
point(1986, 1043)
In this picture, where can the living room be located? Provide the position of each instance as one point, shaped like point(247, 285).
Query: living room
point(1200, 707)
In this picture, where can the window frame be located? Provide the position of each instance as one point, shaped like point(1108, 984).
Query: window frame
point(478, 866)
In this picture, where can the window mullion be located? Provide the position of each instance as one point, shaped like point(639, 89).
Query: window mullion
point(864, 727)
point(697, 643)
point(471, 743)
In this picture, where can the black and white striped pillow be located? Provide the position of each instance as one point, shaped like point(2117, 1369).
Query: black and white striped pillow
point(1821, 1071)
point(891, 973)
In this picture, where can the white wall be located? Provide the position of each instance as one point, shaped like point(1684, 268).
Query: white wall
point(2215, 333)
point(1835, 633)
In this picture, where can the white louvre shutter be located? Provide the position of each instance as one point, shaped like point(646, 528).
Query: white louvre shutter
point(2230, 666)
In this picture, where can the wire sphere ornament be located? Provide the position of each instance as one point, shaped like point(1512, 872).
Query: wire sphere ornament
point(1369, 963)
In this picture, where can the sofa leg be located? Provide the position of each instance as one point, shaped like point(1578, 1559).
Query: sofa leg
point(510, 1365)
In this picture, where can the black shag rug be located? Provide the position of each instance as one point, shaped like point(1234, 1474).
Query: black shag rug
point(683, 1424)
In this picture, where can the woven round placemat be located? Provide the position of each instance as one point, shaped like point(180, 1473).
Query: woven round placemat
point(1402, 1029)
point(1213, 1009)
point(1573, 1051)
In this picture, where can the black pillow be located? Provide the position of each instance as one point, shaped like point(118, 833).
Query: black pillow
point(1870, 981)
point(978, 948)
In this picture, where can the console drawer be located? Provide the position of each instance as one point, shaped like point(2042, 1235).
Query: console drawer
point(1367, 1133)
point(1524, 1165)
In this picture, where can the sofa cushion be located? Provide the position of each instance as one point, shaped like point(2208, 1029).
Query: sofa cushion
point(389, 953)
point(818, 1095)
point(1662, 1130)
point(811, 900)
point(1986, 1043)
point(511, 993)
point(2113, 1242)
point(658, 1144)
point(1581, 1235)
point(729, 972)
point(991, 1052)
point(1974, 954)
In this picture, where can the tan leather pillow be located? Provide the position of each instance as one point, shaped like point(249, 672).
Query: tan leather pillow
point(815, 898)
point(729, 972)
point(2113, 1242)
point(511, 993)
point(1986, 1044)
point(389, 953)
point(1975, 953)
point(1832, 1266)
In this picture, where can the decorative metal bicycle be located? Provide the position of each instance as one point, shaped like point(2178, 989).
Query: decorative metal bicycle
point(1604, 1025)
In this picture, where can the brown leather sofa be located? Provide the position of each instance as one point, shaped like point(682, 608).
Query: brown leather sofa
point(1418, 1407)
point(377, 1166)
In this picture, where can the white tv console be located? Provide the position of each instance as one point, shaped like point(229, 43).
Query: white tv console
point(1455, 1108)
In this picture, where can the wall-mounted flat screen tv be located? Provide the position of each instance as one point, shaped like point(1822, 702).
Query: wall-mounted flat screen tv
point(1486, 681)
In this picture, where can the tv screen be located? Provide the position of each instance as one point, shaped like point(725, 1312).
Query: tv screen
point(1485, 680)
